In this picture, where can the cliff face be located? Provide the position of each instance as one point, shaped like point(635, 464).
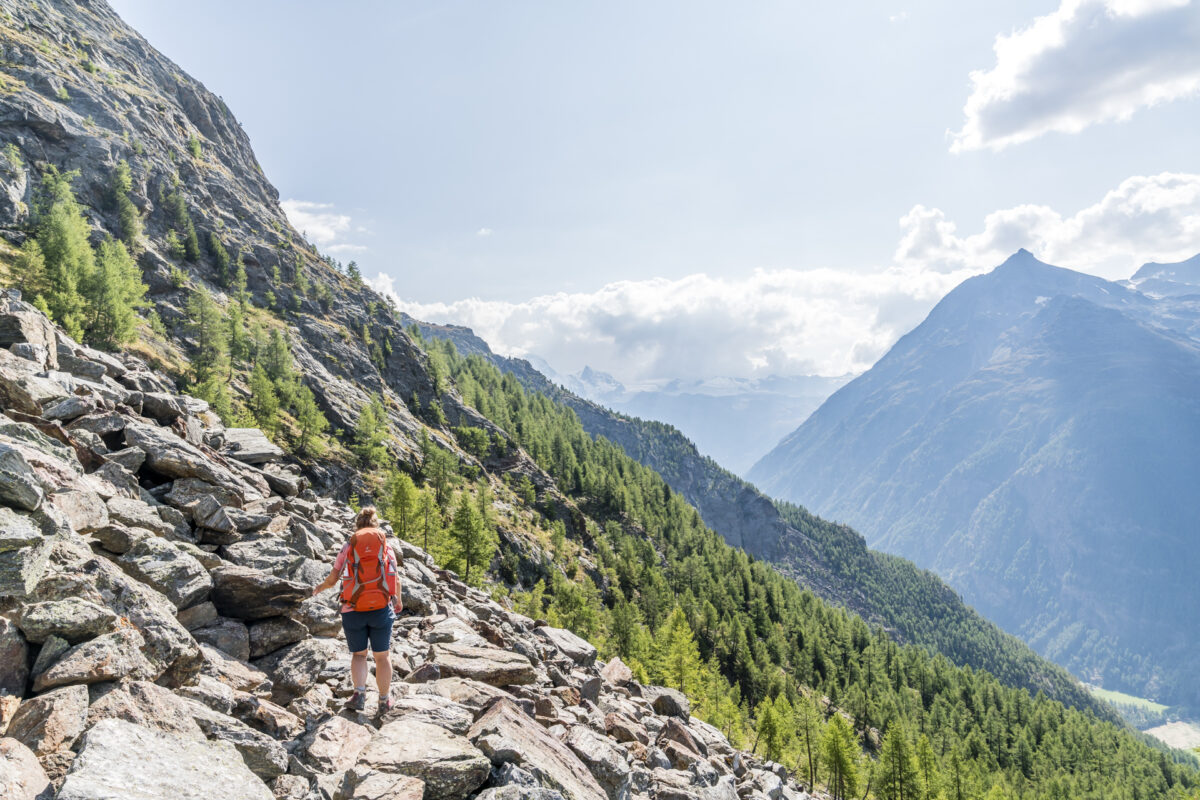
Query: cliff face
point(81, 91)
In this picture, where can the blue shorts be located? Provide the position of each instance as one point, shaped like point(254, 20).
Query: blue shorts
point(375, 627)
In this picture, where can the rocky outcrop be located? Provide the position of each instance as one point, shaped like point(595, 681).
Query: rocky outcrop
point(134, 652)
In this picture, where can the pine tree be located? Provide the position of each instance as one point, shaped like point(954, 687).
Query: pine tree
point(472, 543)
point(221, 259)
point(371, 434)
point(766, 726)
point(129, 221)
point(114, 291)
point(62, 233)
point(30, 269)
point(430, 519)
point(238, 281)
point(210, 364)
point(277, 359)
point(679, 658)
point(352, 271)
point(239, 340)
point(402, 501)
point(897, 776)
point(264, 403)
point(927, 766)
point(809, 725)
point(841, 758)
point(311, 422)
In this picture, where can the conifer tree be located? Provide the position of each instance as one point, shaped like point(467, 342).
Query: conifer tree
point(679, 656)
point(371, 434)
point(210, 364)
point(766, 726)
point(403, 498)
point(928, 767)
point(113, 291)
point(896, 774)
point(310, 421)
point(62, 233)
point(353, 272)
point(129, 221)
point(29, 269)
point(221, 259)
point(809, 730)
point(472, 543)
point(430, 520)
point(277, 359)
point(840, 750)
point(264, 402)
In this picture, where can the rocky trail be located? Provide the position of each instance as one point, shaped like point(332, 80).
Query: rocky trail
point(158, 638)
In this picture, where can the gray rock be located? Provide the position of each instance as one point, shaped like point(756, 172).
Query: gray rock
point(668, 702)
point(84, 509)
point(506, 734)
point(450, 765)
point(434, 710)
point(50, 721)
point(211, 692)
point(106, 658)
point(319, 617)
point(21, 776)
point(146, 704)
point(486, 664)
point(102, 424)
point(131, 458)
point(118, 759)
point(251, 594)
point(197, 616)
point(73, 619)
point(52, 650)
point(417, 598)
point(366, 784)
point(605, 760)
point(116, 538)
point(250, 445)
point(169, 455)
point(24, 552)
point(266, 554)
point(162, 407)
point(265, 757)
point(19, 487)
point(14, 659)
point(230, 636)
point(334, 744)
point(268, 635)
point(136, 514)
point(70, 408)
point(283, 482)
point(519, 793)
point(295, 668)
point(21, 323)
point(570, 645)
point(22, 389)
point(168, 569)
point(239, 675)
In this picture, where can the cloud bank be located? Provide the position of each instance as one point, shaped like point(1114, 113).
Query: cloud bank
point(1091, 61)
point(323, 226)
point(1146, 218)
point(821, 321)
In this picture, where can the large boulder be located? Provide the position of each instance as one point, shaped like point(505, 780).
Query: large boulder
point(334, 744)
point(50, 721)
point(507, 734)
point(19, 486)
point(616, 672)
point(489, 665)
point(118, 759)
point(169, 569)
point(265, 757)
point(22, 389)
point(295, 668)
point(268, 635)
point(146, 704)
point(605, 760)
point(450, 765)
point(21, 776)
point(24, 552)
point(72, 618)
point(573, 647)
point(169, 455)
point(251, 594)
point(14, 660)
point(668, 702)
point(435, 710)
point(368, 784)
point(168, 646)
point(106, 658)
point(250, 445)
point(230, 636)
point(21, 323)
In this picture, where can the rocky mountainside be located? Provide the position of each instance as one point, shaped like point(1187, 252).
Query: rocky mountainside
point(1034, 442)
point(159, 638)
point(913, 605)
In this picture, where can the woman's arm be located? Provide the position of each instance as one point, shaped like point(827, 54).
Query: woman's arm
point(328, 582)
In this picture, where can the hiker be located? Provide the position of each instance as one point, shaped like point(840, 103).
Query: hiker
point(370, 598)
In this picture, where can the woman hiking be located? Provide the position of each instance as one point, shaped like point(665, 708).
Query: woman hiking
point(370, 598)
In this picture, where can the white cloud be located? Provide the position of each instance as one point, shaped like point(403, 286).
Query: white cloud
point(323, 226)
point(1146, 218)
point(821, 321)
point(771, 322)
point(1090, 61)
point(484, 232)
point(901, 16)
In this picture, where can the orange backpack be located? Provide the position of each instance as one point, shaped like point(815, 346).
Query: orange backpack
point(368, 579)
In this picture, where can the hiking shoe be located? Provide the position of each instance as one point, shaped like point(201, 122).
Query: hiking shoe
point(386, 704)
point(357, 701)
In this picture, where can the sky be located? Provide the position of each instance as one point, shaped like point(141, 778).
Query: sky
point(685, 189)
